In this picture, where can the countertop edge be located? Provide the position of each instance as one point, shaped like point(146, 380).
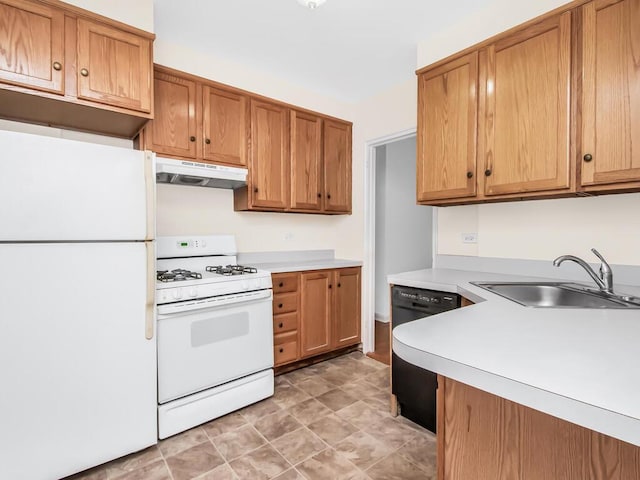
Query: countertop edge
point(300, 266)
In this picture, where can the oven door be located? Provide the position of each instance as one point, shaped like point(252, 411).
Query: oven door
point(208, 342)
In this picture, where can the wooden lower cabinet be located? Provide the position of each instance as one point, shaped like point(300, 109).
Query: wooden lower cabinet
point(485, 437)
point(315, 312)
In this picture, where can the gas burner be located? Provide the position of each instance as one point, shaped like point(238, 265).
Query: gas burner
point(177, 275)
point(231, 269)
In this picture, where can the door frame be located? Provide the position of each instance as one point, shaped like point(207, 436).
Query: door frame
point(369, 271)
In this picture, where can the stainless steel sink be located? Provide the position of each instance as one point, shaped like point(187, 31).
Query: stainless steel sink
point(558, 295)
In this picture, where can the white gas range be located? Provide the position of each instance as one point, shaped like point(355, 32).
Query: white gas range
point(215, 332)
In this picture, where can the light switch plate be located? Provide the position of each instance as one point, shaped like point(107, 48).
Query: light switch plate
point(469, 237)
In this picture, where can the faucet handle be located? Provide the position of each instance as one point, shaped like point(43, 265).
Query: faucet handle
point(606, 274)
point(604, 267)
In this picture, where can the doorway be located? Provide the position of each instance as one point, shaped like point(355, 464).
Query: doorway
point(399, 234)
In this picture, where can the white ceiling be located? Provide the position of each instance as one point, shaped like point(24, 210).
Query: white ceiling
point(346, 49)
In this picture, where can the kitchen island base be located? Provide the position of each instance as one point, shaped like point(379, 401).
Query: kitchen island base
point(486, 437)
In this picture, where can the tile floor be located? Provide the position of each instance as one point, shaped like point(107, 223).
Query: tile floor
point(327, 421)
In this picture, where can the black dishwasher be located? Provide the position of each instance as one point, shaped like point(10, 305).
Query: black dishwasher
point(414, 387)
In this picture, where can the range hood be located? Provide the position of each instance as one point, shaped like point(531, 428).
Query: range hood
point(185, 172)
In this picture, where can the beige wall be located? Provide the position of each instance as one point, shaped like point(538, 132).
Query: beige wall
point(137, 13)
point(540, 229)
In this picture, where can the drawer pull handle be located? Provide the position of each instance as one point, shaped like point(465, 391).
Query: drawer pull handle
point(280, 325)
point(279, 305)
point(281, 284)
point(281, 350)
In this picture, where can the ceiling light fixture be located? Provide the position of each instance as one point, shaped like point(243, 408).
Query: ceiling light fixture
point(311, 4)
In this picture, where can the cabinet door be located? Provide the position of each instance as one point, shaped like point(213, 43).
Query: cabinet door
point(269, 170)
point(524, 92)
point(610, 102)
point(32, 45)
point(337, 166)
point(447, 121)
point(306, 161)
point(226, 127)
point(114, 67)
point(173, 129)
point(315, 312)
point(346, 326)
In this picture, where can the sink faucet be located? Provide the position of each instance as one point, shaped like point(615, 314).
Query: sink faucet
point(604, 280)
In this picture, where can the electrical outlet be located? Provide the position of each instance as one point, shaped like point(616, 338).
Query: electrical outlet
point(469, 237)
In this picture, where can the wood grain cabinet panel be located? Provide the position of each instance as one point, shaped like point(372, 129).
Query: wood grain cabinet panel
point(346, 322)
point(337, 166)
point(174, 129)
point(269, 157)
point(226, 126)
point(447, 127)
point(315, 312)
point(114, 66)
point(486, 437)
point(306, 161)
point(610, 102)
point(524, 97)
point(32, 45)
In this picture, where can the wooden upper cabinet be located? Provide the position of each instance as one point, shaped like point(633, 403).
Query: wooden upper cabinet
point(269, 158)
point(315, 312)
point(524, 101)
point(337, 166)
point(610, 102)
point(174, 128)
point(32, 45)
point(346, 326)
point(447, 126)
point(226, 126)
point(114, 66)
point(306, 161)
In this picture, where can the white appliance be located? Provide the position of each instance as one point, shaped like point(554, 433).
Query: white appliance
point(187, 172)
point(215, 332)
point(77, 343)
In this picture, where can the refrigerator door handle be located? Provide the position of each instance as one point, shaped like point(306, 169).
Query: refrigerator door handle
point(150, 190)
point(151, 291)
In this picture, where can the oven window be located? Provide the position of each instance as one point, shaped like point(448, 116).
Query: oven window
point(219, 329)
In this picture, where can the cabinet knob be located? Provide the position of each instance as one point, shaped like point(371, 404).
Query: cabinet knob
point(329, 285)
point(255, 189)
point(281, 284)
point(192, 138)
point(58, 66)
point(280, 325)
point(469, 174)
point(487, 172)
point(279, 305)
point(84, 72)
point(328, 195)
point(339, 285)
point(281, 350)
point(319, 195)
point(588, 157)
point(207, 141)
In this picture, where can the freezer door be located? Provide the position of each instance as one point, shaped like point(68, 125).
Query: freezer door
point(56, 189)
point(78, 382)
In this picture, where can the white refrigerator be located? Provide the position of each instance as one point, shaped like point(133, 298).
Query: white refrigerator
point(78, 384)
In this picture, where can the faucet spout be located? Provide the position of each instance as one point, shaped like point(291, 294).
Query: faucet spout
point(604, 280)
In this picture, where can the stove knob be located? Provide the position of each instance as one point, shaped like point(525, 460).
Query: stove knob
point(193, 292)
point(177, 294)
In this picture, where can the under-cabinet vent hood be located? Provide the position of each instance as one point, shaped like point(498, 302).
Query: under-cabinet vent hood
point(185, 172)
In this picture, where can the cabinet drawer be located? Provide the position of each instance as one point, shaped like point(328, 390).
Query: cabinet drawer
point(285, 322)
point(285, 282)
point(285, 348)
point(285, 302)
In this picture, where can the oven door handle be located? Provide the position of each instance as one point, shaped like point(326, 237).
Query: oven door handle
point(232, 300)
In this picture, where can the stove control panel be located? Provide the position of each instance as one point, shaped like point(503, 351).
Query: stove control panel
point(173, 292)
point(194, 246)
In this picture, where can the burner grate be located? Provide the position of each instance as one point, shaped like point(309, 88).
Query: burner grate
point(231, 269)
point(177, 275)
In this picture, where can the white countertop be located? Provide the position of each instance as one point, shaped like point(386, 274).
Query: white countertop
point(301, 265)
point(581, 365)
